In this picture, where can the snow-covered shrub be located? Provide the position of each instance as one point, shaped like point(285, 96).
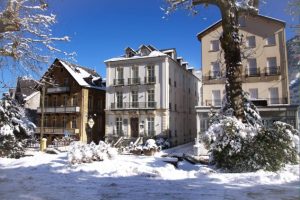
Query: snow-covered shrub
point(237, 146)
point(15, 128)
point(162, 143)
point(79, 152)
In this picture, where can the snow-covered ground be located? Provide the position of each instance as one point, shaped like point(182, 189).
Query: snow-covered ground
point(45, 176)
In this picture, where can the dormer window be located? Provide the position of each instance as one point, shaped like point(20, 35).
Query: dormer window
point(129, 52)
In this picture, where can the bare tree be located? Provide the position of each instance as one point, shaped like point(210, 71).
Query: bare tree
point(230, 42)
point(25, 33)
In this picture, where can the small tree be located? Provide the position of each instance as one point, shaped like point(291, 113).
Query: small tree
point(15, 129)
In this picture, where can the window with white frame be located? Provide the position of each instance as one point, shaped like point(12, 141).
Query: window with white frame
point(215, 70)
point(252, 67)
point(150, 74)
point(214, 45)
point(151, 127)
point(271, 40)
point(120, 73)
point(250, 41)
point(253, 93)
point(119, 99)
point(135, 72)
point(274, 95)
point(119, 124)
point(134, 99)
point(151, 98)
point(216, 97)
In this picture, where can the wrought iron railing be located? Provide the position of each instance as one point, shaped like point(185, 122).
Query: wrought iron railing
point(133, 81)
point(134, 105)
point(272, 71)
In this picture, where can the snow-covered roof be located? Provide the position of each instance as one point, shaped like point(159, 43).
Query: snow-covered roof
point(31, 96)
point(152, 54)
point(82, 74)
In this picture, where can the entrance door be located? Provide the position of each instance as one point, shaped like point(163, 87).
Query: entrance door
point(134, 124)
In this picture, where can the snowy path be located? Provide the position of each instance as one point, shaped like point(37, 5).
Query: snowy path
point(49, 177)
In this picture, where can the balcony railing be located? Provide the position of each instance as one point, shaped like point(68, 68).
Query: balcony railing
point(252, 72)
point(134, 105)
point(215, 102)
point(63, 109)
point(133, 81)
point(119, 81)
point(53, 90)
point(215, 75)
point(58, 131)
point(150, 79)
point(274, 101)
point(272, 71)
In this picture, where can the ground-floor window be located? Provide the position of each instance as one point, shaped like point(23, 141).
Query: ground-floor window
point(74, 122)
point(119, 126)
point(151, 128)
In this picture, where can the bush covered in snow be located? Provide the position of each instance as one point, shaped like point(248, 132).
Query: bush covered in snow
point(15, 129)
point(162, 142)
point(79, 152)
point(237, 146)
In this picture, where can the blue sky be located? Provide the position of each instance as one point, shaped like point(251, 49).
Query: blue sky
point(102, 29)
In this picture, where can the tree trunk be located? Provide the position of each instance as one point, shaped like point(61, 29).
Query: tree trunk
point(230, 42)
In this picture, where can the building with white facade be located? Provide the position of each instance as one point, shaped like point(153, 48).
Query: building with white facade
point(150, 93)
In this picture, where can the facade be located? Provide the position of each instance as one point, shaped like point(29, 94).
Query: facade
point(265, 71)
point(151, 93)
point(74, 99)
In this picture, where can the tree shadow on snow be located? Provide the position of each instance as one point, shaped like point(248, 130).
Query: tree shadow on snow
point(54, 181)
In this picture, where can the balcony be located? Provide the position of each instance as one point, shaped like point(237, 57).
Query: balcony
point(133, 105)
point(62, 109)
point(55, 90)
point(272, 71)
point(134, 81)
point(150, 80)
point(119, 82)
point(252, 72)
point(215, 102)
point(58, 131)
point(215, 75)
point(274, 101)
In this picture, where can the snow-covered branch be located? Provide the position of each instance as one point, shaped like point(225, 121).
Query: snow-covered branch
point(25, 32)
